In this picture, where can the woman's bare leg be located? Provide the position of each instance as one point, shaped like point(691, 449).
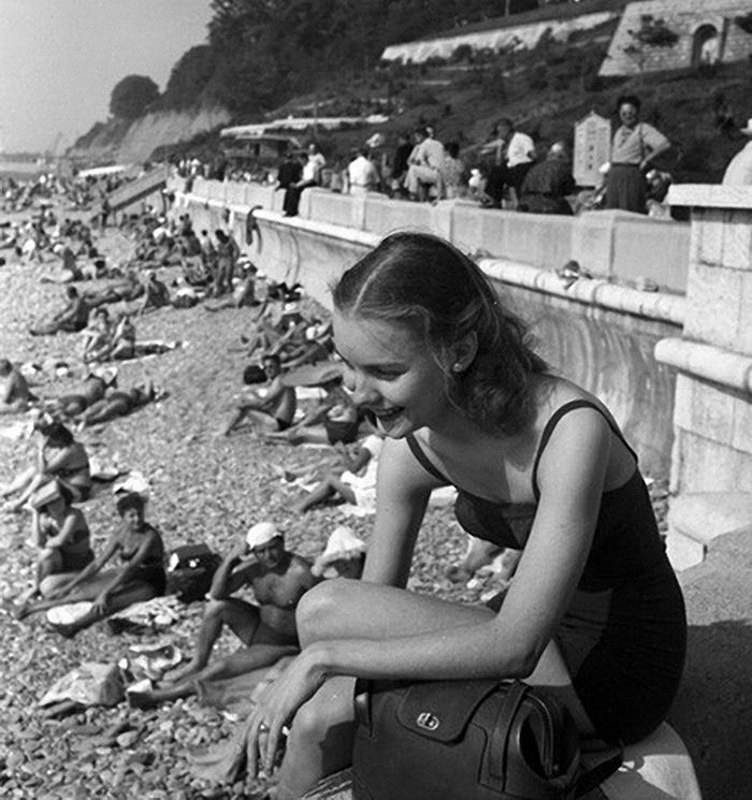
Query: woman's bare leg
point(37, 481)
point(50, 562)
point(321, 736)
point(20, 482)
point(323, 492)
point(240, 663)
point(128, 595)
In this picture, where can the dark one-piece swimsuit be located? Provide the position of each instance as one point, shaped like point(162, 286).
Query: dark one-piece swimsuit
point(623, 635)
point(151, 570)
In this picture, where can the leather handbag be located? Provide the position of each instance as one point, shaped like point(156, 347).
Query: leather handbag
point(190, 570)
point(466, 740)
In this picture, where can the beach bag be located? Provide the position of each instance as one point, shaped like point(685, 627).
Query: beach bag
point(474, 740)
point(190, 570)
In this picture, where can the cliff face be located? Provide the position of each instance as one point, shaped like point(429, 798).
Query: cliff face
point(135, 142)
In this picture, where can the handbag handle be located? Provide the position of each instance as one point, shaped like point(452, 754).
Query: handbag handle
point(362, 704)
point(498, 749)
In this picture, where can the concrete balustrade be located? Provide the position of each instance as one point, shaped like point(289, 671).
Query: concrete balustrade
point(613, 245)
point(711, 476)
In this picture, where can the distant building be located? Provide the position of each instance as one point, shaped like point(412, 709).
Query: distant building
point(707, 30)
point(516, 31)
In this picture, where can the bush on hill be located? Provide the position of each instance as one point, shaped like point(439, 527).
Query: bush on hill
point(132, 96)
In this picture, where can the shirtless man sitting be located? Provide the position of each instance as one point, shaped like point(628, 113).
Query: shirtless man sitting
point(266, 628)
point(74, 317)
point(273, 406)
point(14, 391)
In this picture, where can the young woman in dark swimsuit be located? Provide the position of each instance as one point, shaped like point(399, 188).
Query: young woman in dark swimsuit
point(594, 612)
point(62, 534)
point(140, 577)
point(60, 457)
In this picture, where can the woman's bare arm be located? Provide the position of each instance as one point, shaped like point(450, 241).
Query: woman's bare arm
point(571, 474)
point(95, 566)
point(404, 488)
point(61, 460)
point(66, 530)
point(127, 572)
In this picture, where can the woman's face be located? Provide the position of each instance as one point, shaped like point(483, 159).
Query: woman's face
point(628, 114)
point(392, 374)
point(133, 518)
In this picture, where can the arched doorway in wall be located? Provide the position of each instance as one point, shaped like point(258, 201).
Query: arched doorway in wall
point(706, 46)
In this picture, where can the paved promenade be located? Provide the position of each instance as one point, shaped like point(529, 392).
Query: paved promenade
point(713, 713)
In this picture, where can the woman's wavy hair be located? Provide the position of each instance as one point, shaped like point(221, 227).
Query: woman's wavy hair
point(130, 500)
point(428, 285)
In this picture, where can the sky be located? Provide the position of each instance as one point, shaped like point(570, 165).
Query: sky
point(60, 59)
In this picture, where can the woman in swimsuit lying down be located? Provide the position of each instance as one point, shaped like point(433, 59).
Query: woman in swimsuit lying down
point(594, 613)
point(118, 403)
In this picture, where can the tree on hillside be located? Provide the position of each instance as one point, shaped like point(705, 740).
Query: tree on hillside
point(653, 32)
point(189, 77)
point(132, 95)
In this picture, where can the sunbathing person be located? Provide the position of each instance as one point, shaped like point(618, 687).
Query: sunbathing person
point(125, 290)
point(118, 403)
point(272, 407)
point(14, 391)
point(318, 346)
point(69, 269)
point(156, 293)
point(93, 389)
point(141, 576)
point(266, 628)
point(357, 485)
point(335, 419)
point(123, 343)
point(62, 535)
point(73, 318)
point(60, 457)
point(243, 294)
point(97, 337)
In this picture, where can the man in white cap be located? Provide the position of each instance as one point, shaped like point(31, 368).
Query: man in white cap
point(739, 170)
point(266, 628)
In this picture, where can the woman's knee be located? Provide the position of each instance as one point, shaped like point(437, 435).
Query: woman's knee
point(50, 559)
point(327, 718)
point(319, 609)
point(217, 609)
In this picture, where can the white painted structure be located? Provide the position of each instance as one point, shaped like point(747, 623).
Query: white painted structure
point(523, 36)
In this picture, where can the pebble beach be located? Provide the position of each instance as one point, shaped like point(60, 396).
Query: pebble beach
point(204, 488)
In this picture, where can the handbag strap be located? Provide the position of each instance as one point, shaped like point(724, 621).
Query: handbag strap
point(587, 781)
point(498, 749)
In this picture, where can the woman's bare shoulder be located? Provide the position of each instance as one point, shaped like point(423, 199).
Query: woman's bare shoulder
point(553, 392)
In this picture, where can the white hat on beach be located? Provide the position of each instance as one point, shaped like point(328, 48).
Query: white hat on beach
point(260, 534)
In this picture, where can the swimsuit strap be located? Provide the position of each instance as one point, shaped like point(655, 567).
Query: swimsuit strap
point(423, 459)
point(553, 422)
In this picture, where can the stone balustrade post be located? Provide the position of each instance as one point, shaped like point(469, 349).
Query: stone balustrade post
point(711, 474)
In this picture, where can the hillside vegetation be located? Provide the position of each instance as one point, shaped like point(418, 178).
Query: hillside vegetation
point(267, 58)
